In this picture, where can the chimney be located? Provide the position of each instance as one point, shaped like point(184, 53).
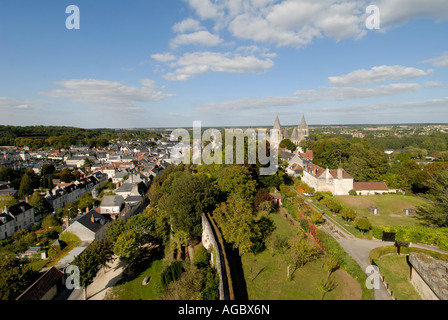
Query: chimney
point(26, 199)
point(67, 222)
point(87, 209)
point(118, 185)
point(92, 219)
point(339, 173)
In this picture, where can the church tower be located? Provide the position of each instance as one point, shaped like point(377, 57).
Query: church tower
point(303, 129)
point(276, 132)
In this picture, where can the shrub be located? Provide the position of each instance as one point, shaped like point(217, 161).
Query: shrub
point(316, 217)
point(201, 257)
point(171, 273)
point(210, 285)
point(348, 214)
point(50, 221)
point(363, 224)
point(426, 235)
point(304, 224)
point(352, 192)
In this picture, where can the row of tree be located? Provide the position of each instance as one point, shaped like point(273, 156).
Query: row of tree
point(57, 137)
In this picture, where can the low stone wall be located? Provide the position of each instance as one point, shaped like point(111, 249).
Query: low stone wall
point(429, 276)
point(211, 243)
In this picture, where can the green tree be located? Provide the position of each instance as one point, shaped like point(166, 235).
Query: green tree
point(114, 229)
point(301, 250)
point(363, 224)
point(26, 186)
point(88, 162)
point(288, 144)
point(241, 227)
point(66, 175)
point(47, 169)
point(348, 214)
point(40, 205)
point(435, 212)
point(201, 257)
point(190, 196)
point(50, 221)
point(236, 180)
point(14, 277)
point(126, 245)
point(88, 263)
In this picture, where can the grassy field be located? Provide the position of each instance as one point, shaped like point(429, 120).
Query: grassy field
point(396, 272)
point(265, 275)
point(390, 208)
point(134, 290)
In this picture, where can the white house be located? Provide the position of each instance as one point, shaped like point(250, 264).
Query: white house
point(89, 226)
point(337, 181)
point(15, 218)
point(370, 188)
point(112, 205)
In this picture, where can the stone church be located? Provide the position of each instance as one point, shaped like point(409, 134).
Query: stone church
point(298, 134)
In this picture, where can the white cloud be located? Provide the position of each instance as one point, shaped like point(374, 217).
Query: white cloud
point(347, 93)
point(297, 23)
point(195, 63)
point(308, 96)
point(441, 61)
point(424, 106)
point(203, 38)
point(205, 9)
point(378, 74)
point(106, 93)
point(187, 25)
point(16, 105)
point(163, 57)
point(397, 12)
point(432, 84)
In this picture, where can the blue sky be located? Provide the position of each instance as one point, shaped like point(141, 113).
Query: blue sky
point(225, 63)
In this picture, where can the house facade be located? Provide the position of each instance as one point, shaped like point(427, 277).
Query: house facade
point(15, 218)
point(89, 226)
point(337, 181)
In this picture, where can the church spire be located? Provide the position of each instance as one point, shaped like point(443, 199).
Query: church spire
point(303, 124)
point(277, 124)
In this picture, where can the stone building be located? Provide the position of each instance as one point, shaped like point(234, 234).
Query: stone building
point(337, 181)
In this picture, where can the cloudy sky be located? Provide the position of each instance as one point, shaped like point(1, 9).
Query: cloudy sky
point(144, 63)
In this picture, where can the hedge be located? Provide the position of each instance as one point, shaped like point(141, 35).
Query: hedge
point(426, 235)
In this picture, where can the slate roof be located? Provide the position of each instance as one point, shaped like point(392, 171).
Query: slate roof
point(112, 201)
point(19, 208)
point(42, 285)
point(98, 220)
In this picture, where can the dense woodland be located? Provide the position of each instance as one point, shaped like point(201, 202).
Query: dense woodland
point(36, 137)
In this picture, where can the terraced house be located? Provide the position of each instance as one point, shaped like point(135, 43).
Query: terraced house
point(15, 218)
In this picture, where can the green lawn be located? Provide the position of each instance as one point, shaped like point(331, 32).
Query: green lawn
point(396, 272)
point(390, 208)
point(134, 290)
point(265, 275)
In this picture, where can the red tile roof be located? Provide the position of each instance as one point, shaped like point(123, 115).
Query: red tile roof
point(317, 171)
point(358, 186)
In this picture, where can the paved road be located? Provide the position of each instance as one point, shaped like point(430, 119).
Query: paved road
point(358, 249)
